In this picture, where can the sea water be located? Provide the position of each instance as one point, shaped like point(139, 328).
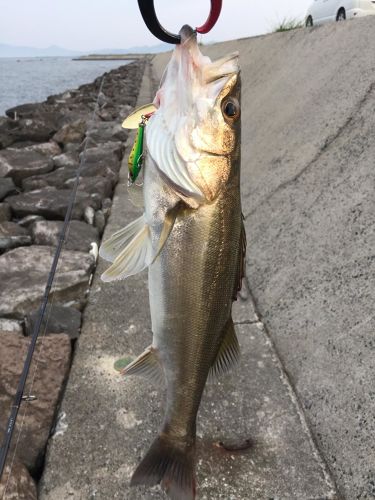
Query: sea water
point(33, 79)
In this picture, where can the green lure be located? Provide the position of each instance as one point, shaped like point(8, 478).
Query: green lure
point(136, 156)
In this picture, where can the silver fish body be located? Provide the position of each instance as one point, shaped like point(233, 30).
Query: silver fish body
point(194, 250)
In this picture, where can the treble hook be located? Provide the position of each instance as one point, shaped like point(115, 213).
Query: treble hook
point(150, 18)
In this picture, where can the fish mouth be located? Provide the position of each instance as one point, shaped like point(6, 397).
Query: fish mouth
point(187, 34)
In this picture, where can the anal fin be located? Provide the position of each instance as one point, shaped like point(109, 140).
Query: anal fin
point(228, 354)
point(147, 365)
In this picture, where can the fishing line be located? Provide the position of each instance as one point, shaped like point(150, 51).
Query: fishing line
point(19, 396)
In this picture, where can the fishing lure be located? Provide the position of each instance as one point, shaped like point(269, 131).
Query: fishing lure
point(136, 157)
point(135, 160)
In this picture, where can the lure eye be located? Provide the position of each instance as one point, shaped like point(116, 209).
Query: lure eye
point(231, 109)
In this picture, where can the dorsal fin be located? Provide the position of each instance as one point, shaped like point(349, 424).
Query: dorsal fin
point(241, 266)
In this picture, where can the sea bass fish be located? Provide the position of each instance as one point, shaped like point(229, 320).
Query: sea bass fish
point(192, 240)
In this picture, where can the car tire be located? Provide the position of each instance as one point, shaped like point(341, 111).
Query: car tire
point(309, 22)
point(341, 15)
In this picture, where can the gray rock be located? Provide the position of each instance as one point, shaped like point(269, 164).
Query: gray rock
point(5, 213)
point(56, 179)
point(34, 129)
point(106, 207)
point(89, 215)
point(50, 203)
point(107, 114)
point(28, 110)
point(107, 131)
point(29, 220)
point(110, 152)
point(99, 221)
point(21, 163)
point(80, 235)
point(23, 277)
point(103, 99)
point(72, 147)
point(93, 185)
point(69, 159)
point(58, 319)
point(6, 126)
point(13, 235)
point(53, 362)
point(10, 326)
point(7, 186)
point(22, 144)
point(109, 170)
point(21, 486)
point(72, 132)
point(50, 148)
point(107, 204)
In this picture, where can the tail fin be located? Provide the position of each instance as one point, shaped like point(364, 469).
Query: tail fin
point(172, 464)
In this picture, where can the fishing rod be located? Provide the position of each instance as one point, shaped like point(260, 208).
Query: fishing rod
point(19, 396)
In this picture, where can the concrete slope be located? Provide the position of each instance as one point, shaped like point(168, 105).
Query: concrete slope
point(308, 150)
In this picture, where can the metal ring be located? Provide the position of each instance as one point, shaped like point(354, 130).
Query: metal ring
point(147, 9)
point(212, 17)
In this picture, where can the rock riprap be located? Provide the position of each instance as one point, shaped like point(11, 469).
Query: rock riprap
point(20, 486)
point(10, 326)
point(19, 164)
point(59, 319)
point(7, 187)
point(5, 213)
point(13, 235)
point(51, 203)
point(80, 235)
point(23, 277)
point(41, 148)
point(52, 358)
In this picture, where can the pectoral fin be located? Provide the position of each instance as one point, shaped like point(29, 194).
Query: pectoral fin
point(146, 365)
point(228, 354)
point(131, 249)
point(136, 256)
point(113, 247)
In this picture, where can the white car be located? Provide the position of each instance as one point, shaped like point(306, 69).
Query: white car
point(324, 11)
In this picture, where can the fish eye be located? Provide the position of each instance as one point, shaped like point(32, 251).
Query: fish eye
point(231, 108)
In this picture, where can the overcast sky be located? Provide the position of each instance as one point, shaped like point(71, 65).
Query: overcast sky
point(95, 24)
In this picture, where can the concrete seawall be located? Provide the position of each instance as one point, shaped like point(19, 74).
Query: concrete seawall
point(304, 391)
point(308, 193)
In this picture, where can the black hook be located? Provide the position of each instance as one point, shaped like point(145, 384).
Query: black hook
point(150, 18)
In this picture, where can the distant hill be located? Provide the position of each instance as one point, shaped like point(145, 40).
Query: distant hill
point(149, 49)
point(18, 51)
point(54, 50)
